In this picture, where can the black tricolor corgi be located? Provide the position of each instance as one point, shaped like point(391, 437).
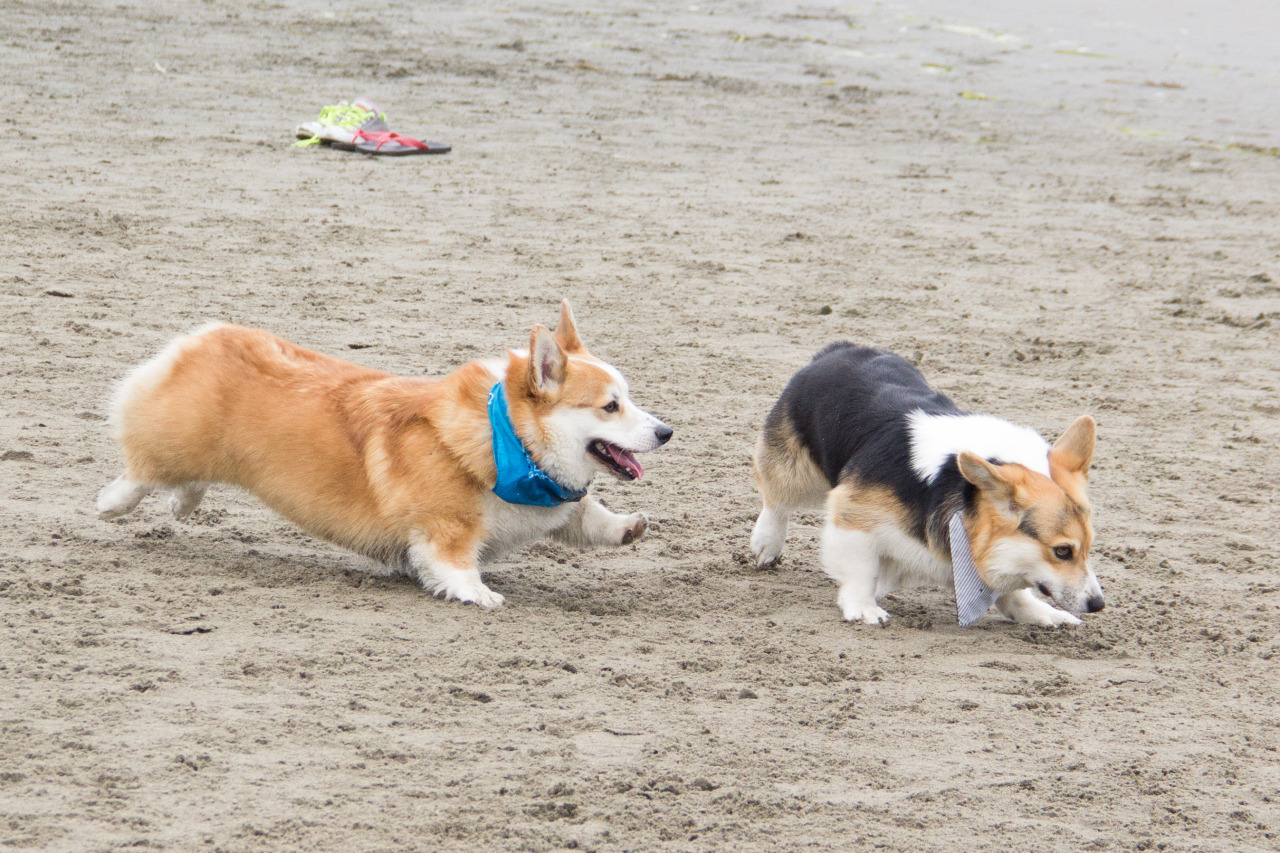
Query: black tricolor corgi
point(893, 459)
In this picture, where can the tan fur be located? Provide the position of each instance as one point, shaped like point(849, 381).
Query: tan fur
point(1070, 458)
point(362, 458)
point(1056, 508)
point(784, 471)
point(854, 505)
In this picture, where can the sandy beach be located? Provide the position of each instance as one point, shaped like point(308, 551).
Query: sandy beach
point(1050, 214)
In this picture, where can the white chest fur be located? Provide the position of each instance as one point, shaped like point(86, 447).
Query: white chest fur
point(905, 561)
point(508, 526)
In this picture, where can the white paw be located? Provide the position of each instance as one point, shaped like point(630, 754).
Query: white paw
point(120, 497)
point(467, 588)
point(1033, 611)
point(1054, 618)
point(871, 615)
point(184, 499)
point(768, 538)
point(1023, 607)
point(862, 611)
point(634, 527)
point(108, 513)
point(766, 553)
point(487, 598)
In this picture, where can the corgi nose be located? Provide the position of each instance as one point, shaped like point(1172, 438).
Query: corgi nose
point(1095, 603)
point(663, 434)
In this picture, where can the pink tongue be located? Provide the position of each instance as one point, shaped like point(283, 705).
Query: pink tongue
point(625, 460)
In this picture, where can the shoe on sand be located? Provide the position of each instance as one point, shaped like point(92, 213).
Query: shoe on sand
point(339, 123)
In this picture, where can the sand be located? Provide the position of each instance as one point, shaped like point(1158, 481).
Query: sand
point(1049, 220)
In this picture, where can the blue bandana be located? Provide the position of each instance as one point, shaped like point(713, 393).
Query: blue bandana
point(973, 597)
point(520, 480)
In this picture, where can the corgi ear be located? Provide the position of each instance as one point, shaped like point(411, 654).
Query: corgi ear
point(1073, 451)
point(547, 361)
point(567, 330)
point(992, 482)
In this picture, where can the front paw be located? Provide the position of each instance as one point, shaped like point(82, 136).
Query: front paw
point(468, 590)
point(872, 615)
point(1055, 618)
point(1024, 608)
point(477, 594)
point(636, 525)
point(862, 611)
point(487, 598)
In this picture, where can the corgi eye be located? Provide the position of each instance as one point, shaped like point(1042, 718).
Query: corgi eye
point(611, 407)
point(1063, 552)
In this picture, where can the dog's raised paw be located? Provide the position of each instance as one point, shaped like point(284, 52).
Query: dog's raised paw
point(637, 526)
point(110, 513)
point(120, 498)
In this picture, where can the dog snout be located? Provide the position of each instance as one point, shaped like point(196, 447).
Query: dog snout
point(1095, 603)
point(663, 433)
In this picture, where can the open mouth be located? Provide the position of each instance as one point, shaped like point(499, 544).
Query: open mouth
point(620, 463)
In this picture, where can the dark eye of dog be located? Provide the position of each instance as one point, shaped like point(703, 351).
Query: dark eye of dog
point(1063, 552)
point(611, 407)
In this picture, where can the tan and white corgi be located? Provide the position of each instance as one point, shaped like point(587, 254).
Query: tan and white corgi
point(895, 461)
point(401, 469)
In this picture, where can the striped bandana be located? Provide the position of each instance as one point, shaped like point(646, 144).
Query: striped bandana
point(973, 597)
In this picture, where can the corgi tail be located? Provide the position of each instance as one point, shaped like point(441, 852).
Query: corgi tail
point(145, 419)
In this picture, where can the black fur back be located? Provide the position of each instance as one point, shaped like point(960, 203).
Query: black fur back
point(849, 408)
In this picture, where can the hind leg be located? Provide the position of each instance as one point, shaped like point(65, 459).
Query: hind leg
point(185, 498)
point(121, 496)
point(788, 480)
point(769, 536)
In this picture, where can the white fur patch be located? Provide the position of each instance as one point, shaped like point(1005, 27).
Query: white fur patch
point(851, 558)
point(450, 580)
point(935, 438)
point(496, 366)
point(510, 526)
point(613, 372)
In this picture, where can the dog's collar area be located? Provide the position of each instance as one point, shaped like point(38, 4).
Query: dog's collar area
point(520, 480)
point(973, 597)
